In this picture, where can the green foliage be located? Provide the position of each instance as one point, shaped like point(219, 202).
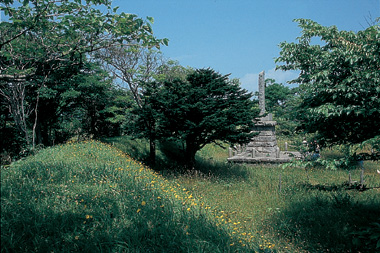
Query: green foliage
point(339, 81)
point(368, 238)
point(60, 33)
point(276, 96)
point(45, 47)
point(282, 102)
point(91, 100)
point(205, 108)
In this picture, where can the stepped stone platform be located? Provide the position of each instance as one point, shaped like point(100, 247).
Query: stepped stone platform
point(263, 147)
point(284, 157)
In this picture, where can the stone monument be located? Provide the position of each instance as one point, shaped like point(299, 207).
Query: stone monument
point(263, 147)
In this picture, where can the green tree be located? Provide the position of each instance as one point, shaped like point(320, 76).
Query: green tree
point(282, 101)
point(276, 96)
point(59, 33)
point(339, 81)
point(206, 108)
point(88, 104)
point(45, 38)
point(144, 117)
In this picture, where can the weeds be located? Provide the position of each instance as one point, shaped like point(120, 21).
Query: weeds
point(92, 197)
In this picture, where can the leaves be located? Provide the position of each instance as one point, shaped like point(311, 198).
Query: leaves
point(340, 79)
point(56, 32)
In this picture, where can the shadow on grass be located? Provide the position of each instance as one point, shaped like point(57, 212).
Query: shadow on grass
point(107, 224)
point(335, 187)
point(328, 221)
point(170, 160)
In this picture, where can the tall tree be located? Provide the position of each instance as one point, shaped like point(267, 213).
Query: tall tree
point(133, 65)
point(206, 108)
point(144, 117)
point(339, 81)
point(282, 101)
point(88, 101)
point(276, 96)
point(44, 38)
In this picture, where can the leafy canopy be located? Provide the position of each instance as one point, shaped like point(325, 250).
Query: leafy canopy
point(58, 33)
point(47, 44)
point(206, 108)
point(339, 81)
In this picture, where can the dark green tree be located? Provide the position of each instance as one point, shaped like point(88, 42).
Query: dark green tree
point(276, 96)
point(282, 101)
point(46, 42)
point(144, 117)
point(88, 104)
point(206, 108)
point(339, 81)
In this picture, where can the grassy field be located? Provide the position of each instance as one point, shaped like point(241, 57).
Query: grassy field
point(92, 197)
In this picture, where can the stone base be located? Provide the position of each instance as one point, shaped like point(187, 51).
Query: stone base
point(245, 157)
point(263, 147)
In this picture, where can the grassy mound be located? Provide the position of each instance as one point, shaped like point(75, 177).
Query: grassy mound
point(91, 197)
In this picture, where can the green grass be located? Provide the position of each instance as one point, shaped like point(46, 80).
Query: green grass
point(94, 197)
point(90, 197)
point(313, 212)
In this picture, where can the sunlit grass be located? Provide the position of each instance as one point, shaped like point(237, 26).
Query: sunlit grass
point(313, 212)
point(93, 197)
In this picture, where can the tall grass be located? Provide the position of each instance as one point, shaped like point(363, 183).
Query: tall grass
point(314, 212)
point(90, 197)
point(93, 197)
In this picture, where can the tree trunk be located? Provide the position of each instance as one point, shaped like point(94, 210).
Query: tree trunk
point(15, 95)
point(152, 152)
point(191, 150)
point(35, 121)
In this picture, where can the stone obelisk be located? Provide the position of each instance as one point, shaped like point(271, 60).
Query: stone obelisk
point(263, 147)
point(262, 93)
point(264, 144)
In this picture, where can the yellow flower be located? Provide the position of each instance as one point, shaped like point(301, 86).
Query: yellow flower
point(143, 203)
point(138, 210)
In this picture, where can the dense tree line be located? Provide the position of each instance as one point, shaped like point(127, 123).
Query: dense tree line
point(339, 83)
point(60, 62)
point(51, 85)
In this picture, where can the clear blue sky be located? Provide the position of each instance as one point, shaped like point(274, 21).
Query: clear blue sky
point(241, 37)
